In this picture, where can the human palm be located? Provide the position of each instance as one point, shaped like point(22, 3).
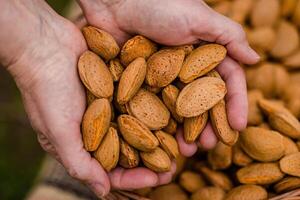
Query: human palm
point(176, 22)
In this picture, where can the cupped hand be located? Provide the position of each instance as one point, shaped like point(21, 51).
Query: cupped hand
point(176, 22)
point(54, 98)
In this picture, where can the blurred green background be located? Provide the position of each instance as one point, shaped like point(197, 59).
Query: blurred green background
point(20, 153)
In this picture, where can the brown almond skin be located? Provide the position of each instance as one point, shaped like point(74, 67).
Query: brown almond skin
point(169, 96)
point(136, 133)
point(290, 146)
point(290, 164)
point(199, 96)
point(146, 102)
point(108, 152)
point(261, 16)
point(95, 123)
point(194, 126)
point(156, 160)
point(191, 181)
point(262, 38)
point(292, 61)
point(255, 116)
point(95, 75)
point(164, 66)
point(208, 193)
point(281, 119)
point(101, 42)
point(168, 143)
point(220, 157)
point(188, 48)
point(287, 7)
point(260, 174)
point(240, 9)
point(284, 46)
point(116, 69)
point(129, 157)
point(200, 61)
point(138, 46)
point(220, 124)
point(154, 90)
point(261, 144)
point(171, 128)
point(131, 80)
point(167, 192)
point(247, 192)
point(287, 184)
point(216, 178)
point(239, 157)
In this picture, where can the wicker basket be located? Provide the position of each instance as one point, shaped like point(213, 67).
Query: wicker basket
point(53, 174)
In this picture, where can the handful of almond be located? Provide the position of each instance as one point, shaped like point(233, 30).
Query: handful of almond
point(135, 102)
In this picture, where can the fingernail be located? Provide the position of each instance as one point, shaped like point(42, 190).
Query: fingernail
point(97, 189)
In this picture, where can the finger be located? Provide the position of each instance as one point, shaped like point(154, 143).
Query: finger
point(208, 139)
point(225, 31)
point(129, 179)
point(79, 162)
point(80, 21)
point(164, 178)
point(236, 97)
point(185, 149)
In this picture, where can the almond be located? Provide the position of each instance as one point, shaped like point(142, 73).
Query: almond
point(220, 124)
point(171, 127)
point(169, 96)
point(95, 75)
point(199, 96)
point(191, 181)
point(136, 133)
point(287, 184)
point(281, 119)
point(149, 109)
point(156, 160)
point(131, 80)
point(240, 9)
point(154, 90)
point(284, 46)
point(239, 157)
point(261, 144)
point(287, 7)
point(261, 16)
point(193, 127)
point(292, 61)
point(168, 143)
point(101, 42)
point(296, 14)
point(247, 192)
point(216, 178)
point(116, 69)
point(167, 192)
point(163, 67)
point(255, 116)
point(129, 157)
point(208, 193)
point(290, 164)
point(201, 60)
point(260, 173)
point(108, 152)
point(290, 146)
point(262, 37)
point(95, 123)
point(220, 157)
point(138, 46)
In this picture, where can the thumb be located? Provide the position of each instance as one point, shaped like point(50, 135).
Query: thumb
point(225, 31)
point(79, 163)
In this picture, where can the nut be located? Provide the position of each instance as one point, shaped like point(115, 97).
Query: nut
point(156, 160)
point(194, 126)
point(95, 123)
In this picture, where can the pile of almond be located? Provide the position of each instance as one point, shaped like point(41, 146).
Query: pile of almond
point(139, 93)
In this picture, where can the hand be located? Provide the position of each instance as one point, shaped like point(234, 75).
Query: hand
point(176, 22)
point(45, 70)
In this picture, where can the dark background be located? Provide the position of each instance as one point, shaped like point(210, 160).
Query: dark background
point(20, 154)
